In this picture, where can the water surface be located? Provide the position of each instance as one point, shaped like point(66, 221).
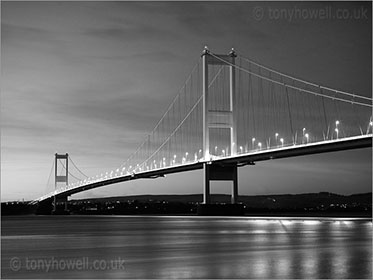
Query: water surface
point(185, 247)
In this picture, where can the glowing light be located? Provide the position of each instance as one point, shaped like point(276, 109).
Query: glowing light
point(336, 131)
point(282, 142)
point(286, 222)
point(336, 123)
point(371, 123)
point(307, 136)
point(241, 149)
point(311, 222)
point(260, 145)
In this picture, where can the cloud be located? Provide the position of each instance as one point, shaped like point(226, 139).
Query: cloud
point(12, 32)
point(130, 32)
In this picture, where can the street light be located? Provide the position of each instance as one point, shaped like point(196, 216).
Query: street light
point(307, 137)
point(260, 145)
point(282, 142)
point(370, 126)
point(253, 142)
point(276, 135)
point(336, 131)
point(303, 131)
point(241, 149)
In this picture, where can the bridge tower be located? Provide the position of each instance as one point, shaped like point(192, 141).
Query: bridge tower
point(221, 119)
point(60, 179)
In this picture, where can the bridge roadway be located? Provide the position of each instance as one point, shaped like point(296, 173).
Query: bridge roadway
point(363, 141)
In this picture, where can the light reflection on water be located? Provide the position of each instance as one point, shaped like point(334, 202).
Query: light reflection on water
point(191, 247)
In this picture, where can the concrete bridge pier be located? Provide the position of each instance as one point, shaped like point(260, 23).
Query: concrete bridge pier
point(216, 172)
point(60, 210)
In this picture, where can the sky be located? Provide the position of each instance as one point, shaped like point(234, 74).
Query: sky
point(93, 78)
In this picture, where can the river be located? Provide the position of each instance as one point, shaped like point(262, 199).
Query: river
point(185, 247)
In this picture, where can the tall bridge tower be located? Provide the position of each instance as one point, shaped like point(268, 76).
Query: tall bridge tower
point(224, 119)
point(63, 159)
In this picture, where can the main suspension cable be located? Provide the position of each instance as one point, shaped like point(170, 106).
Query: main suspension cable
point(289, 86)
point(77, 167)
point(304, 81)
point(69, 171)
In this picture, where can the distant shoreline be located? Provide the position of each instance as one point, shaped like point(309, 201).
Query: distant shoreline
point(323, 204)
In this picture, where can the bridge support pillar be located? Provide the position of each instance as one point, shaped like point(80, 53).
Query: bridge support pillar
point(60, 210)
point(215, 172)
point(206, 184)
point(234, 198)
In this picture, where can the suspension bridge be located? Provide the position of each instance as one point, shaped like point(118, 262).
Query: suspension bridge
point(233, 111)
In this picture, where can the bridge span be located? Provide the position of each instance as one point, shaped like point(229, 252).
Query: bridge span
point(358, 142)
point(231, 112)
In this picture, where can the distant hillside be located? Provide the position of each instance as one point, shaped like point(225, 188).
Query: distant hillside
point(290, 201)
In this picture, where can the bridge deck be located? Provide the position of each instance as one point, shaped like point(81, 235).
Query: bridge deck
point(364, 141)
